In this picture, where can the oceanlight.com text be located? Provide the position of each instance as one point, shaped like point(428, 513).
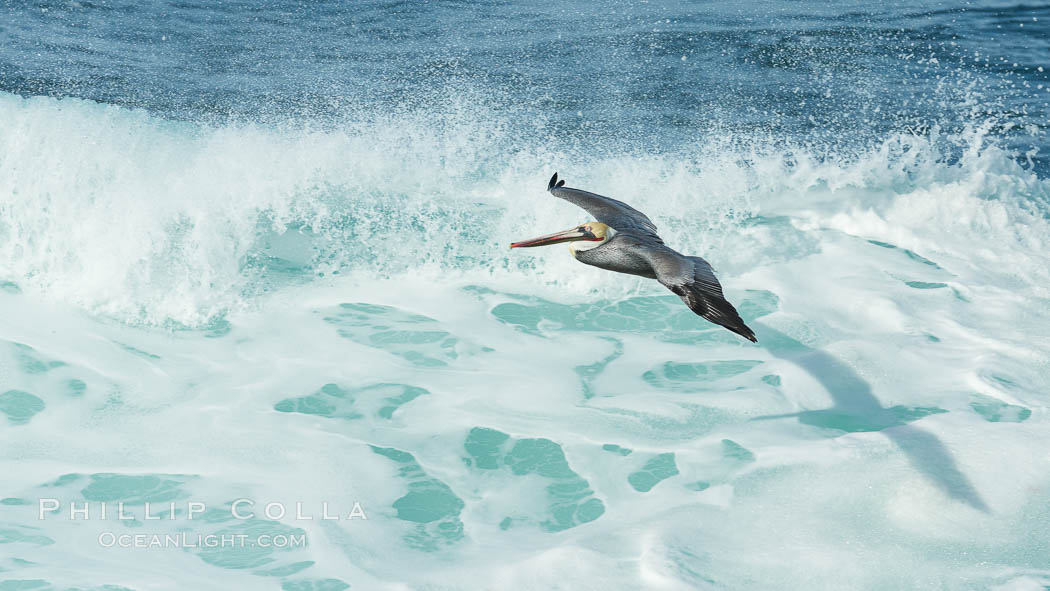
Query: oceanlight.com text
point(185, 540)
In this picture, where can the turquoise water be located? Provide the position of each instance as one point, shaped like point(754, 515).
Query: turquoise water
point(255, 256)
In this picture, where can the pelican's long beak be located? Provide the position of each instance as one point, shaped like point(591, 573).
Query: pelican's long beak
point(563, 236)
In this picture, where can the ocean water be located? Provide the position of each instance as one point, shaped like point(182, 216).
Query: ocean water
point(254, 255)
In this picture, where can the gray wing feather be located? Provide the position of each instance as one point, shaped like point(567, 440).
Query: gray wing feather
point(615, 214)
point(693, 280)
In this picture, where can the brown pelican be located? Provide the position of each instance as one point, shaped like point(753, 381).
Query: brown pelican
point(625, 240)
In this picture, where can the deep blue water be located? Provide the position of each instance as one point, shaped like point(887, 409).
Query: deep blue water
point(637, 75)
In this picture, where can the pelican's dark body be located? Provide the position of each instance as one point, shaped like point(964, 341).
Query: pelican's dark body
point(618, 254)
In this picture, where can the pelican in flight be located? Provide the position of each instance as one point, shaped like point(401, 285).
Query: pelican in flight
point(625, 240)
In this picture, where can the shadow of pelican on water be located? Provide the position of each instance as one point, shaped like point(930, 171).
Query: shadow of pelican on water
point(856, 409)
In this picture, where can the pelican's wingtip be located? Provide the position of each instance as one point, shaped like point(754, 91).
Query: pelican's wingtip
point(747, 333)
point(555, 183)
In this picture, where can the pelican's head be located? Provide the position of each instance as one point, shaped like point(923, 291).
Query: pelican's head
point(592, 234)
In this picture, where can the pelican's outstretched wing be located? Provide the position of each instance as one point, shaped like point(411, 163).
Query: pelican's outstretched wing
point(693, 280)
point(615, 214)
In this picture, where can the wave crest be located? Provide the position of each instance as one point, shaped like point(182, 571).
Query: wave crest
point(151, 221)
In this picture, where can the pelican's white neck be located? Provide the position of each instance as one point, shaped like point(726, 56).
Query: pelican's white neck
point(581, 245)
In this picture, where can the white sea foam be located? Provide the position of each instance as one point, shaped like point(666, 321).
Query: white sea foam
point(889, 429)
